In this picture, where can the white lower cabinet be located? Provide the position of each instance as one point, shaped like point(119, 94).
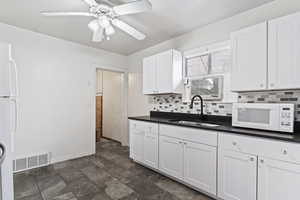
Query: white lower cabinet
point(278, 180)
point(144, 143)
point(136, 145)
point(253, 168)
point(171, 156)
point(151, 150)
point(193, 163)
point(243, 167)
point(236, 175)
point(200, 166)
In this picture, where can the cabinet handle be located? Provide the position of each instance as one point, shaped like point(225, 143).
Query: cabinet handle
point(262, 161)
point(184, 143)
point(261, 85)
point(234, 143)
point(285, 152)
point(272, 84)
point(251, 159)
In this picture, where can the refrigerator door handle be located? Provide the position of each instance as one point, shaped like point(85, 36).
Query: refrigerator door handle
point(16, 115)
point(16, 76)
point(15, 127)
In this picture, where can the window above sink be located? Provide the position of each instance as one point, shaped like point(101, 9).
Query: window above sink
point(207, 73)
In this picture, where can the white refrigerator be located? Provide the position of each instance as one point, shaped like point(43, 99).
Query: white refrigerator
point(8, 119)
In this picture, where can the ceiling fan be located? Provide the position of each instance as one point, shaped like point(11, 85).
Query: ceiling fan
point(107, 16)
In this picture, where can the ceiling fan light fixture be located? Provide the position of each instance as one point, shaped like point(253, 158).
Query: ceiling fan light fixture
point(104, 21)
point(98, 35)
point(107, 16)
point(109, 30)
point(93, 25)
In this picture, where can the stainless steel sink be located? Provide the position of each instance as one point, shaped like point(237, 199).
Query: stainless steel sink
point(197, 123)
point(209, 124)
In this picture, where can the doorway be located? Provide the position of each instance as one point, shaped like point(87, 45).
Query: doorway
point(109, 105)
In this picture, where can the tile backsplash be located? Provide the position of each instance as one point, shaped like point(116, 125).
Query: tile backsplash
point(173, 102)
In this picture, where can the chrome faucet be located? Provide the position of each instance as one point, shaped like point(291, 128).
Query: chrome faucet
point(201, 100)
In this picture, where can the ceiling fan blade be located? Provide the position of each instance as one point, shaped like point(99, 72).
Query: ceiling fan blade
point(108, 2)
point(91, 2)
point(98, 35)
point(133, 7)
point(57, 14)
point(128, 29)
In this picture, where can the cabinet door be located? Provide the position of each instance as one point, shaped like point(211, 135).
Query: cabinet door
point(249, 54)
point(171, 156)
point(237, 174)
point(278, 180)
point(149, 75)
point(136, 143)
point(284, 52)
point(200, 166)
point(165, 72)
point(151, 147)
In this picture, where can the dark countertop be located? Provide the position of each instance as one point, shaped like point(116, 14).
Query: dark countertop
point(225, 126)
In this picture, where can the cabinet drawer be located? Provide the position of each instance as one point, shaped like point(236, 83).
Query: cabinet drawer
point(146, 127)
point(269, 148)
point(190, 134)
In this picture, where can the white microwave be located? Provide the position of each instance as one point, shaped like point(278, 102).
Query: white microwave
point(273, 117)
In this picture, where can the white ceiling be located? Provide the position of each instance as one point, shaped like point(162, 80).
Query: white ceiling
point(168, 19)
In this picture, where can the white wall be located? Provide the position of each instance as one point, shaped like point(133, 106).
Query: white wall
point(57, 88)
point(216, 32)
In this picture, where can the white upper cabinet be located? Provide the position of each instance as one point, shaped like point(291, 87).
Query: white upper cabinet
point(162, 73)
point(284, 52)
point(149, 75)
point(267, 56)
point(249, 54)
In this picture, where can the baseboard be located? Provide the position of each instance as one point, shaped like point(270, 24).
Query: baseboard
point(70, 157)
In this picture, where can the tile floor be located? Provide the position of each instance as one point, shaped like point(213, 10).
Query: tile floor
point(107, 175)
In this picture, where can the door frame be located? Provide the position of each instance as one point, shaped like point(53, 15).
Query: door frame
point(124, 132)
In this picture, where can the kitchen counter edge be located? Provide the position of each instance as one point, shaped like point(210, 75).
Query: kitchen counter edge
point(225, 128)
